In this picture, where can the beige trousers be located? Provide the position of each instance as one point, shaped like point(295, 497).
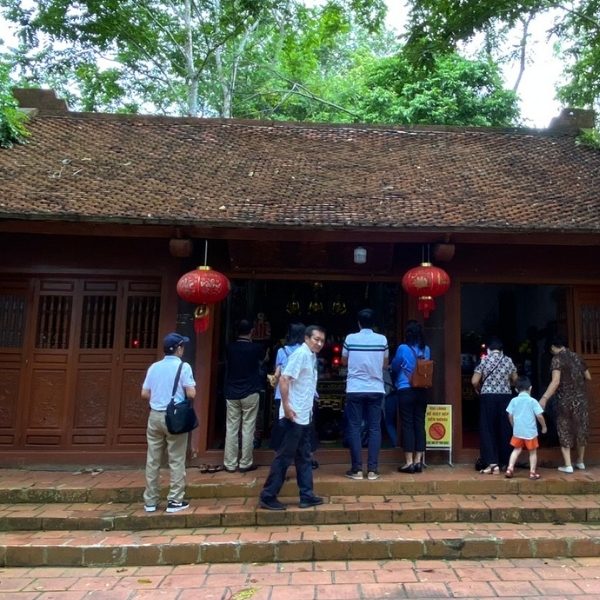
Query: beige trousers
point(159, 439)
point(244, 411)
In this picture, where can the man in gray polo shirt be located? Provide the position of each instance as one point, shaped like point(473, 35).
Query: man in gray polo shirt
point(366, 354)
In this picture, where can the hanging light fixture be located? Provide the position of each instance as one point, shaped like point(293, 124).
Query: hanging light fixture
point(360, 255)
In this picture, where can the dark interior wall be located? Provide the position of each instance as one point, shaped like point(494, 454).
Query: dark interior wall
point(56, 253)
point(575, 264)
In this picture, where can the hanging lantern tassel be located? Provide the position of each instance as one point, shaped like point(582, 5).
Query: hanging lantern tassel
point(424, 283)
point(201, 318)
point(425, 304)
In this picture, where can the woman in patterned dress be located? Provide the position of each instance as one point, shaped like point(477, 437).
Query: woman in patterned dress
point(569, 374)
point(493, 379)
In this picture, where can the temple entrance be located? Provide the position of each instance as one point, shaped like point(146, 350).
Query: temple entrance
point(273, 305)
point(524, 317)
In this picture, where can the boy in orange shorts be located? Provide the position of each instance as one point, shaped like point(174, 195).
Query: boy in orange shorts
point(523, 410)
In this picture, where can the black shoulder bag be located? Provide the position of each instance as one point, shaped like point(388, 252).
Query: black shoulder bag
point(180, 417)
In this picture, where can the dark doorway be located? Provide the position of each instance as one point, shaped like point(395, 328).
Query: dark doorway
point(272, 305)
point(524, 317)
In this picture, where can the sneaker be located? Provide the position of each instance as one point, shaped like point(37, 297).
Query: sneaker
point(373, 475)
point(568, 469)
point(314, 501)
point(150, 507)
point(354, 474)
point(580, 466)
point(174, 507)
point(272, 504)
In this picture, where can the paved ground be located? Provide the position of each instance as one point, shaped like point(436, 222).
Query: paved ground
point(551, 579)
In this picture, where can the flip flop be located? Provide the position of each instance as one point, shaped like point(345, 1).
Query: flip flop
point(203, 468)
point(214, 468)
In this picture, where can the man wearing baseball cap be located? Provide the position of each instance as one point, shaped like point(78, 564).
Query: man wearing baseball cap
point(157, 390)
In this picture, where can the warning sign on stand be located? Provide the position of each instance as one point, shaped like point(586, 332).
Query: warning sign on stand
point(438, 427)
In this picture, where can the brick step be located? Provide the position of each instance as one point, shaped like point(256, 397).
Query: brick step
point(126, 486)
point(372, 541)
point(337, 510)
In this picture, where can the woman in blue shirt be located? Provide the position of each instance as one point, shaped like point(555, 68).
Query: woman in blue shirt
point(412, 402)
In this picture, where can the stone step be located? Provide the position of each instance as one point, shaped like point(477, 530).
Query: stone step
point(365, 541)
point(337, 510)
point(126, 486)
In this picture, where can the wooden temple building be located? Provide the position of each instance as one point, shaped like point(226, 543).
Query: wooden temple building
point(100, 215)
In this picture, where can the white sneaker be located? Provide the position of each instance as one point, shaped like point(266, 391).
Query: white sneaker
point(580, 466)
point(568, 469)
point(150, 507)
point(373, 475)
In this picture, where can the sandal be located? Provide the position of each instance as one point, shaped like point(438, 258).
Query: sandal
point(214, 468)
point(203, 468)
point(509, 473)
point(490, 470)
point(534, 476)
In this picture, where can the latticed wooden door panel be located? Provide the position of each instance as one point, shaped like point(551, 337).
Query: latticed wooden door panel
point(73, 354)
point(13, 318)
point(46, 399)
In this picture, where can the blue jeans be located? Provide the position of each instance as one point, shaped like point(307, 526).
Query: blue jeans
point(391, 417)
point(355, 403)
point(293, 448)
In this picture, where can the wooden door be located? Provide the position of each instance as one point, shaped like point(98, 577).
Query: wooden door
point(14, 304)
point(587, 344)
point(73, 359)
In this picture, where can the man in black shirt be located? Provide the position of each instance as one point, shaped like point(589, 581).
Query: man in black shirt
point(242, 386)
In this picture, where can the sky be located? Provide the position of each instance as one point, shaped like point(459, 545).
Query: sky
point(536, 90)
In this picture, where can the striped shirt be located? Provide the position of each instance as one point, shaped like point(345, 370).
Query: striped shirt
point(366, 352)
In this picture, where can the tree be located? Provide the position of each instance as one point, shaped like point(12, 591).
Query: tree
point(453, 91)
point(438, 26)
point(169, 55)
point(12, 121)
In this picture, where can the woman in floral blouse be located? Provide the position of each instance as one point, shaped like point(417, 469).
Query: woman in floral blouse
point(493, 379)
point(569, 374)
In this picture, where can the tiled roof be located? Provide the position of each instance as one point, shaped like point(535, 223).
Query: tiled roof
point(135, 169)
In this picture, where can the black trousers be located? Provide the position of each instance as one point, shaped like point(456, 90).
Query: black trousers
point(494, 429)
point(412, 403)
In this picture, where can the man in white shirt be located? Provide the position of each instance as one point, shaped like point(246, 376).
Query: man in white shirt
point(298, 385)
point(366, 354)
point(157, 390)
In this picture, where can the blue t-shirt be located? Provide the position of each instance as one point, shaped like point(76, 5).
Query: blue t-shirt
point(524, 410)
point(405, 362)
point(283, 354)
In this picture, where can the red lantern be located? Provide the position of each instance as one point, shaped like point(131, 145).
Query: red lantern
point(426, 282)
point(204, 287)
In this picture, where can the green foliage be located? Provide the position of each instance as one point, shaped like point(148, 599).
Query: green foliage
point(12, 121)
point(183, 57)
point(589, 137)
point(438, 26)
point(454, 91)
